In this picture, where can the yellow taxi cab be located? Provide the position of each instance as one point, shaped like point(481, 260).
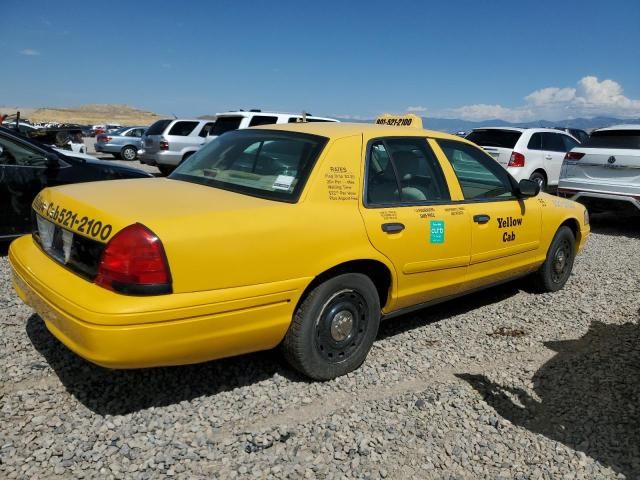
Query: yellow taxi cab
point(302, 235)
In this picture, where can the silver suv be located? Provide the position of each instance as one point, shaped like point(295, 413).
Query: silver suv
point(167, 143)
point(604, 173)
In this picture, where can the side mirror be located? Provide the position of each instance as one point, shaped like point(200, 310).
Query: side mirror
point(52, 160)
point(528, 188)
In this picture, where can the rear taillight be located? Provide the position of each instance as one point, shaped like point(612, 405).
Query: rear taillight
point(516, 160)
point(164, 145)
point(103, 139)
point(133, 262)
point(573, 156)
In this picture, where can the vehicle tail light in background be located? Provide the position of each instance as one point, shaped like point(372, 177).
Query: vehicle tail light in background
point(516, 160)
point(103, 139)
point(164, 145)
point(134, 262)
point(573, 156)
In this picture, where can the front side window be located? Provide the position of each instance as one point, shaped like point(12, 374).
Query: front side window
point(262, 120)
point(480, 177)
point(206, 129)
point(182, 129)
point(404, 171)
point(225, 124)
point(261, 163)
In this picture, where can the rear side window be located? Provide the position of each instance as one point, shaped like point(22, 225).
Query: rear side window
point(535, 143)
point(404, 171)
point(614, 139)
point(495, 137)
point(158, 127)
point(262, 120)
point(182, 129)
point(479, 175)
point(553, 142)
point(225, 124)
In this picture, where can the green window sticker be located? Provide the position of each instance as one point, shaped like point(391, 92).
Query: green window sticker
point(436, 229)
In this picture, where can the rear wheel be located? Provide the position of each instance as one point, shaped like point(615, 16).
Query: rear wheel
point(334, 327)
point(556, 269)
point(540, 179)
point(129, 153)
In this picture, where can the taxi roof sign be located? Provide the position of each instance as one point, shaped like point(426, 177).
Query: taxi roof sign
point(409, 120)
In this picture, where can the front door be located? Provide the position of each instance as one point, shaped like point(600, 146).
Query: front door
point(410, 219)
point(505, 230)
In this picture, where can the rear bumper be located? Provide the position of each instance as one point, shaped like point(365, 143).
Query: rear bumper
point(107, 148)
point(161, 158)
point(598, 199)
point(119, 331)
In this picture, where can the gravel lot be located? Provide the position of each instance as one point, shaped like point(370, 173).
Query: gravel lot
point(502, 384)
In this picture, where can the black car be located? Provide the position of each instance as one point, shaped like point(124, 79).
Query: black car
point(28, 166)
point(581, 135)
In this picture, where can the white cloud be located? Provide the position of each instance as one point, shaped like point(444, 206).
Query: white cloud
point(30, 52)
point(592, 97)
point(417, 109)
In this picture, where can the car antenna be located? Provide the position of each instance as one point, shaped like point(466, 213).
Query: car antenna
point(174, 115)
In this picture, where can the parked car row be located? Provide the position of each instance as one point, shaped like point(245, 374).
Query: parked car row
point(168, 143)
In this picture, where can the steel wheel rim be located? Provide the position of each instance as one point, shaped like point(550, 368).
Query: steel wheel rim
point(341, 326)
point(561, 261)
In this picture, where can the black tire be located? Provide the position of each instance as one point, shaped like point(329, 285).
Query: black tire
point(540, 179)
point(556, 269)
point(166, 169)
point(117, 156)
point(333, 327)
point(129, 153)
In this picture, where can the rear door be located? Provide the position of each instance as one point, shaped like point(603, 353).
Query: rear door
point(505, 230)
point(498, 143)
point(410, 219)
point(554, 149)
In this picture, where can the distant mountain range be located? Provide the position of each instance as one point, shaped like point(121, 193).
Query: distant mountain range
point(454, 125)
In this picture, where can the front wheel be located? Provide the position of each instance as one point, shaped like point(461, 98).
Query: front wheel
point(556, 269)
point(334, 327)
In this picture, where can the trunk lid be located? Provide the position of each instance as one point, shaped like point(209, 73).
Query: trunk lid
point(196, 223)
point(605, 165)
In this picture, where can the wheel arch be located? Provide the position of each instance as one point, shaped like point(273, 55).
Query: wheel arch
point(379, 273)
point(574, 226)
point(543, 172)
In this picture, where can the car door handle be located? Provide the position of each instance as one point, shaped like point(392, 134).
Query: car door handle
point(481, 218)
point(548, 157)
point(392, 227)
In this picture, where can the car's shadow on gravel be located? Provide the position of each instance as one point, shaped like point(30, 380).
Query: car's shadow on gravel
point(616, 224)
point(118, 392)
point(458, 306)
point(589, 396)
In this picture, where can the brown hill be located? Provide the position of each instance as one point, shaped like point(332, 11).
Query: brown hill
point(89, 114)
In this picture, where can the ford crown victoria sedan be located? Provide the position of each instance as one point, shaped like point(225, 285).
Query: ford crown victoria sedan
point(302, 236)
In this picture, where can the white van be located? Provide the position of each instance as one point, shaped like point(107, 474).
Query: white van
point(228, 121)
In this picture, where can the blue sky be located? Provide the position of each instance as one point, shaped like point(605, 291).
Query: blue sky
point(464, 59)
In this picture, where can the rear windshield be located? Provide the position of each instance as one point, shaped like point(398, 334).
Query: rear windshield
point(261, 163)
point(614, 139)
point(225, 124)
point(495, 138)
point(158, 127)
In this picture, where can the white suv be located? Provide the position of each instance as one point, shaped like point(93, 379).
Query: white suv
point(228, 121)
point(533, 153)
